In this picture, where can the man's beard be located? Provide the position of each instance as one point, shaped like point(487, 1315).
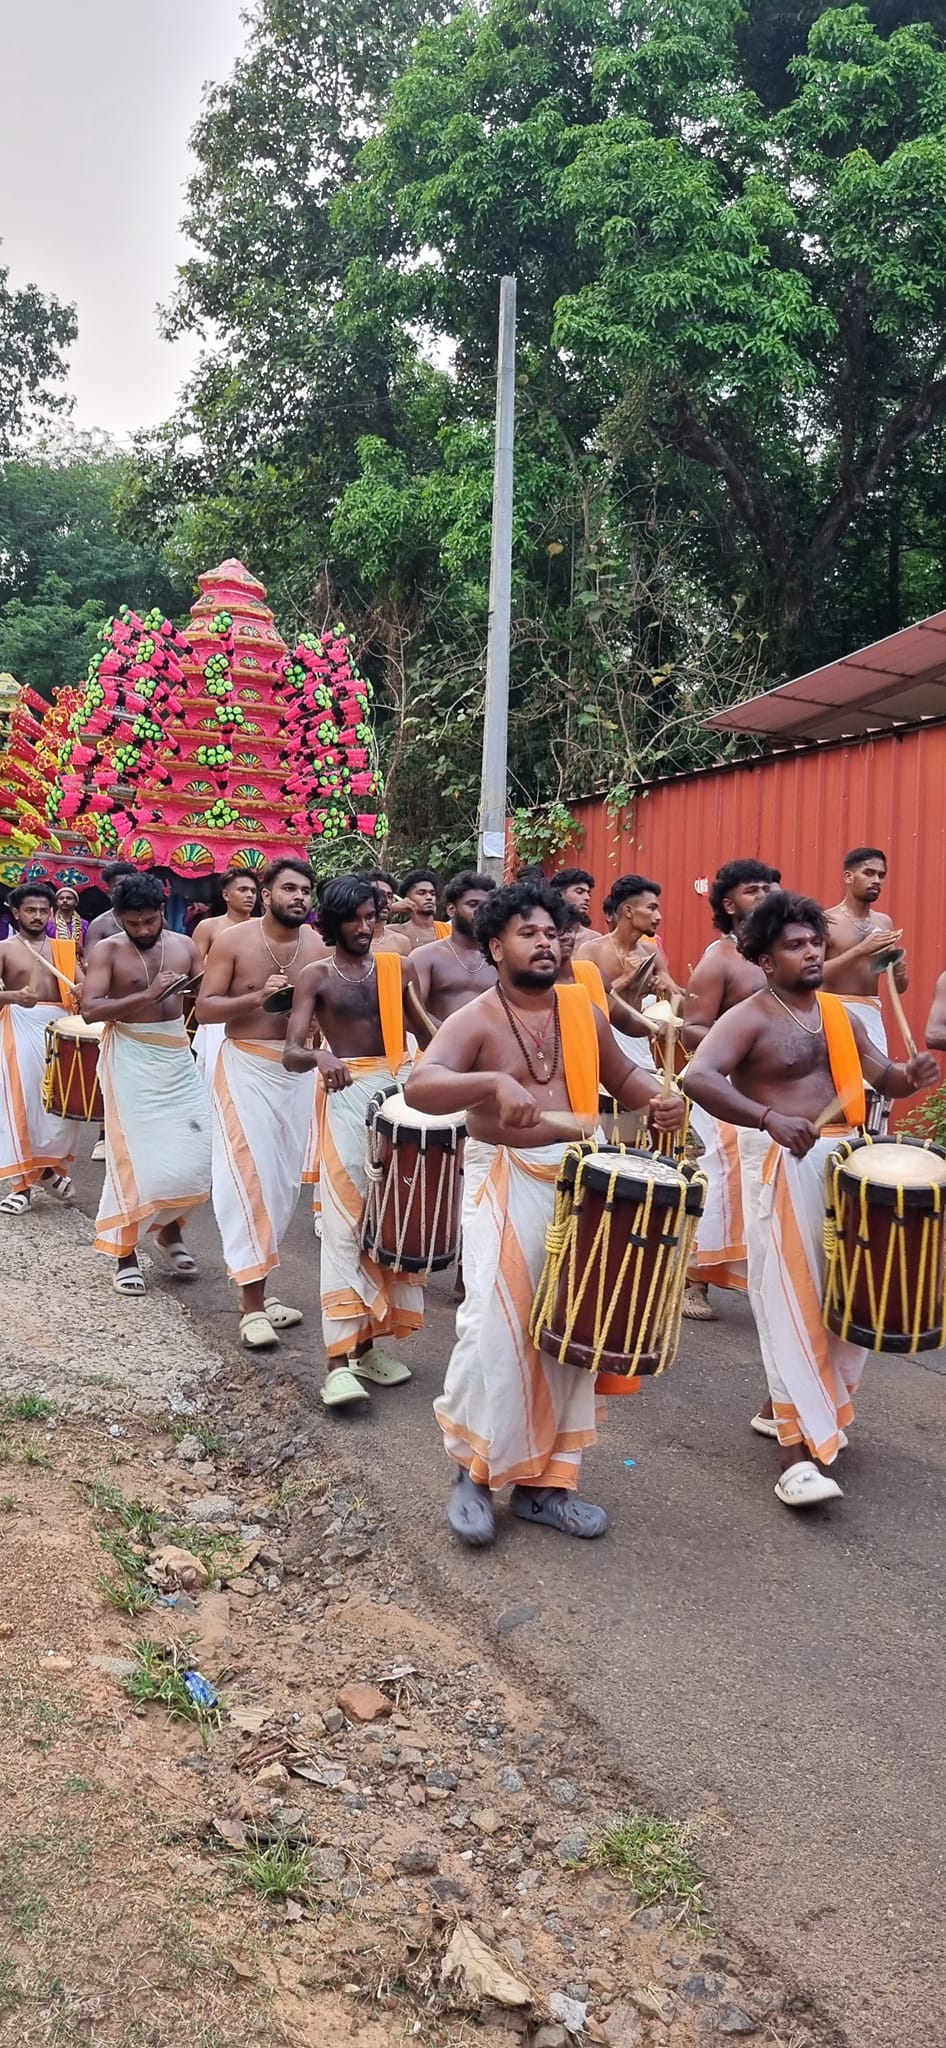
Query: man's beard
point(534, 977)
point(146, 945)
point(290, 918)
point(462, 925)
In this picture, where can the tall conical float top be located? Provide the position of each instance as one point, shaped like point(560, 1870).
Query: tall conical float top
point(222, 804)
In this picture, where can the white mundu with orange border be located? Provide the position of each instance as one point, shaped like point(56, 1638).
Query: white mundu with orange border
point(812, 1375)
point(157, 1132)
point(261, 1120)
point(360, 1299)
point(31, 1141)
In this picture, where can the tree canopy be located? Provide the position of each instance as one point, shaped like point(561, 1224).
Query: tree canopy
point(34, 334)
point(64, 566)
point(729, 232)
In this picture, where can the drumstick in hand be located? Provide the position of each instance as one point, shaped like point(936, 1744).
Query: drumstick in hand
point(900, 1014)
point(670, 1042)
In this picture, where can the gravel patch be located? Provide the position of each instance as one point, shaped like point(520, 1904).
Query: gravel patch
point(66, 1335)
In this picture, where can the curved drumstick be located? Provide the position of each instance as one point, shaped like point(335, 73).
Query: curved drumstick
point(900, 1014)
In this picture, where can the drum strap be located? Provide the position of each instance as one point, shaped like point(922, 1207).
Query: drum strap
point(576, 1020)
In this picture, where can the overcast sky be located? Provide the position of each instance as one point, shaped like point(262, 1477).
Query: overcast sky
point(99, 98)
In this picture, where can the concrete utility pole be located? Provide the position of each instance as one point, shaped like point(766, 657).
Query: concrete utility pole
point(492, 835)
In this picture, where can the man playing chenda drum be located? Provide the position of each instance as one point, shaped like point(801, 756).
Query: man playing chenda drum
point(790, 1045)
point(522, 1061)
point(355, 999)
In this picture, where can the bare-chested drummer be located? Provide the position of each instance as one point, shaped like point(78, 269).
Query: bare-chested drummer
point(36, 1149)
point(419, 893)
point(105, 926)
point(787, 1066)
point(861, 939)
point(628, 958)
point(388, 937)
point(356, 1001)
point(509, 1061)
point(157, 1119)
point(261, 1113)
point(450, 972)
point(240, 895)
point(720, 980)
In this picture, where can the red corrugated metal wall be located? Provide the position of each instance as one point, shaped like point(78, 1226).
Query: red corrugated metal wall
point(801, 812)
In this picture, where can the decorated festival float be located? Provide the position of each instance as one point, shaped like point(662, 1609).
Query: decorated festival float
point(25, 832)
point(212, 747)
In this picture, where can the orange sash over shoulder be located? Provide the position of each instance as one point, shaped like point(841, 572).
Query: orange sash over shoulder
point(391, 1006)
point(588, 974)
point(843, 1058)
point(63, 953)
point(442, 930)
point(576, 1020)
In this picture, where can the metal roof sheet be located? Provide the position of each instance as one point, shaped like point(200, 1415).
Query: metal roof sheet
point(899, 681)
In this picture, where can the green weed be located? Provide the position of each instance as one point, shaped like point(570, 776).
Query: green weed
point(657, 1859)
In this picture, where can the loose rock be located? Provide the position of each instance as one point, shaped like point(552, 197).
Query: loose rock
point(213, 1507)
point(573, 1848)
point(509, 1780)
point(363, 1703)
point(552, 2035)
point(624, 2028)
point(272, 1778)
point(189, 1449)
point(732, 2020)
point(487, 1820)
point(418, 1859)
point(562, 1792)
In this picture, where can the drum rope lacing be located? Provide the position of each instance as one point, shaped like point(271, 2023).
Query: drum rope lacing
point(657, 1319)
point(376, 1209)
point(929, 1307)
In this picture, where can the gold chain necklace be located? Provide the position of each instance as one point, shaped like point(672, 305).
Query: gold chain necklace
point(478, 964)
point(282, 967)
point(354, 980)
point(812, 1029)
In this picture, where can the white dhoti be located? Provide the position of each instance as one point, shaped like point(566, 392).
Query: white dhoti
point(31, 1141)
point(261, 1118)
point(208, 1038)
point(361, 1300)
point(867, 1010)
point(157, 1132)
point(508, 1413)
point(720, 1256)
point(640, 1050)
point(811, 1373)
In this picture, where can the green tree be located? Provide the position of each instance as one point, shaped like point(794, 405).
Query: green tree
point(64, 567)
point(34, 333)
point(732, 367)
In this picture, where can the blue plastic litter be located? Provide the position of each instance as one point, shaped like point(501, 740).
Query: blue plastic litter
point(628, 1462)
point(200, 1689)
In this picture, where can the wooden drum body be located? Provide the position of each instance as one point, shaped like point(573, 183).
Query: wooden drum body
point(611, 1294)
point(71, 1082)
point(415, 1184)
point(885, 1241)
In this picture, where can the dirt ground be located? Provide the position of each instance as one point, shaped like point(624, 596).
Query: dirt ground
point(277, 1868)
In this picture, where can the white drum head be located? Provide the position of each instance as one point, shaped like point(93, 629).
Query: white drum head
point(896, 1166)
point(394, 1110)
point(76, 1027)
point(632, 1166)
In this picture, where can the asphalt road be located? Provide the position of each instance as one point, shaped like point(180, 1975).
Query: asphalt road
point(782, 1676)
